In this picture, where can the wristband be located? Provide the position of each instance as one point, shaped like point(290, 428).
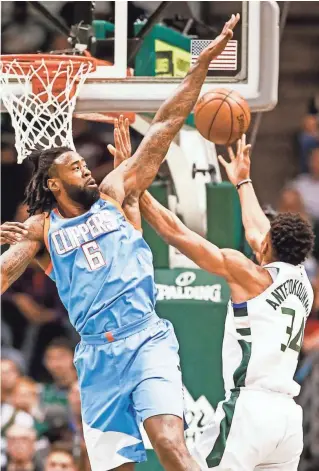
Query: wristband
point(248, 180)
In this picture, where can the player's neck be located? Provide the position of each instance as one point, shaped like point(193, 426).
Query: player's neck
point(266, 260)
point(70, 209)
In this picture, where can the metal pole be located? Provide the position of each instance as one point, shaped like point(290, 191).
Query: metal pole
point(258, 118)
point(145, 29)
point(51, 18)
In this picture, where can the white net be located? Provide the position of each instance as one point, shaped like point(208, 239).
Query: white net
point(42, 117)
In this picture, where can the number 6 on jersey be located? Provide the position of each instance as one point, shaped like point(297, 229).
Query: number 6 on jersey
point(93, 255)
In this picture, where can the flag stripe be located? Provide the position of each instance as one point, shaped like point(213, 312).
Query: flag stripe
point(227, 60)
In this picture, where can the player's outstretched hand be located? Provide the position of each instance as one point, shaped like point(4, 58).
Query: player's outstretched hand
point(122, 141)
point(12, 232)
point(217, 46)
point(238, 168)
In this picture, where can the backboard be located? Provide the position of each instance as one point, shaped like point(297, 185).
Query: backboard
point(163, 43)
point(250, 65)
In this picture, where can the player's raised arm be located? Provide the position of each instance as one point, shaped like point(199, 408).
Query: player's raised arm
point(16, 259)
point(138, 172)
point(230, 264)
point(255, 222)
point(121, 152)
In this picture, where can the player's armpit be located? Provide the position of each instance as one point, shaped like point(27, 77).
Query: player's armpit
point(131, 208)
point(254, 239)
point(15, 260)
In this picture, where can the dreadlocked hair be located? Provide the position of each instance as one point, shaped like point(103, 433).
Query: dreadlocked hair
point(292, 238)
point(37, 194)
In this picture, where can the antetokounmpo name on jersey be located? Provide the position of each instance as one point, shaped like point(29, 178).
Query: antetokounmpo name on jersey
point(294, 287)
point(69, 238)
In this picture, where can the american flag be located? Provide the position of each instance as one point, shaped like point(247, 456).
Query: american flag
point(227, 60)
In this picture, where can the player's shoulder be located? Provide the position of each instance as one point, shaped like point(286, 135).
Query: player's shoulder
point(35, 226)
point(241, 266)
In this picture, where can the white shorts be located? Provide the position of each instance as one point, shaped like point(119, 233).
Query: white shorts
point(252, 430)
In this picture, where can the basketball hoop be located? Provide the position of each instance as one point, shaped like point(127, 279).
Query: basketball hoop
point(42, 110)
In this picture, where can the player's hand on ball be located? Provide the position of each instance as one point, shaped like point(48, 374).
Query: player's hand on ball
point(12, 233)
point(238, 168)
point(122, 141)
point(217, 46)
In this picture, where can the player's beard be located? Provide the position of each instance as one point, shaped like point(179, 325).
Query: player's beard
point(85, 196)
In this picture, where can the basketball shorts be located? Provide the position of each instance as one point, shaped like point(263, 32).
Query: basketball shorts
point(125, 377)
point(252, 430)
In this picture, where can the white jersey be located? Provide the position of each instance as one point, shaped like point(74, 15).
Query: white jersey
point(263, 336)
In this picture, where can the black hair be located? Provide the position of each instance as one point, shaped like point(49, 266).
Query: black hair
point(61, 447)
point(37, 194)
point(61, 342)
point(292, 238)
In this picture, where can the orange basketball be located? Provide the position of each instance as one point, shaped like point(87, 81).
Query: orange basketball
point(222, 116)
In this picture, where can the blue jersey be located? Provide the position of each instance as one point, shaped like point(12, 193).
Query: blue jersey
point(102, 267)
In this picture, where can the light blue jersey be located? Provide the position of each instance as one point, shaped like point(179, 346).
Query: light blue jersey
point(102, 267)
point(127, 361)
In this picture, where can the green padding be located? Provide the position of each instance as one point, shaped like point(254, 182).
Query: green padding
point(224, 226)
point(199, 327)
point(103, 29)
point(145, 61)
point(157, 245)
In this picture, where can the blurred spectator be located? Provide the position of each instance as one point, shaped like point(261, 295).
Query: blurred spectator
point(308, 139)
point(56, 420)
point(16, 37)
point(60, 459)
point(308, 185)
point(21, 448)
point(26, 397)
point(291, 201)
point(10, 375)
point(58, 359)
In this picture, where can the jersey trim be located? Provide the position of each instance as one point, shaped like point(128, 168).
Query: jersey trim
point(119, 207)
point(239, 378)
point(46, 231)
point(46, 241)
point(114, 202)
point(215, 456)
point(239, 305)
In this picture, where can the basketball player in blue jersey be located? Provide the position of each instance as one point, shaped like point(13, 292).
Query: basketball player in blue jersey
point(127, 360)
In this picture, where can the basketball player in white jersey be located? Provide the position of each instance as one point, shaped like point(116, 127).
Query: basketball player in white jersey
point(258, 426)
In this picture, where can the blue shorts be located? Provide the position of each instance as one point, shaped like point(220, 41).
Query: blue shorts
point(124, 379)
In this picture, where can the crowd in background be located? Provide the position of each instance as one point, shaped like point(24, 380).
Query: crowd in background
point(40, 404)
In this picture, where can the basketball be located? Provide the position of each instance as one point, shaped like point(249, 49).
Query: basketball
point(222, 116)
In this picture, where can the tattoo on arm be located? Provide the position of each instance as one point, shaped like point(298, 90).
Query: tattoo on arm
point(16, 259)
